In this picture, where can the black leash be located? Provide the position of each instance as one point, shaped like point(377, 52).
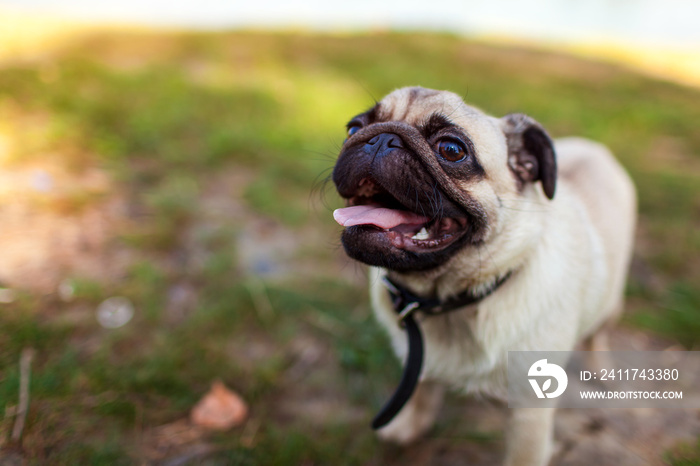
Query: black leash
point(406, 304)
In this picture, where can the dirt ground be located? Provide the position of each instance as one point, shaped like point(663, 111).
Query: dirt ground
point(629, 437)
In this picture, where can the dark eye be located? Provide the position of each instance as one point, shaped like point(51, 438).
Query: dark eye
point(451, 151)
point(352, 129)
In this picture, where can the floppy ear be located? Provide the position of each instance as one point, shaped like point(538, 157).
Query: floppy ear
point(530, 152)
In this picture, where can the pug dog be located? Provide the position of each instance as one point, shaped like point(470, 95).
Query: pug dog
point(443, 199)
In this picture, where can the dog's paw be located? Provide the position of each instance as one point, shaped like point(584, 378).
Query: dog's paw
point(417, 416)
point(409, 425)
point(400, 434)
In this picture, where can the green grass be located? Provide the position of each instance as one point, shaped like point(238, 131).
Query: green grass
point(679, 319)
point(686, 454)
point(166, 114)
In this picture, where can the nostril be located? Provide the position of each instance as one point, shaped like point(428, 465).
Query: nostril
point(394, 142)
point(383, 144)
point(388, 139)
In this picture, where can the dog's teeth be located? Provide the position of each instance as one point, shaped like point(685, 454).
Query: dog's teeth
point(422, 234)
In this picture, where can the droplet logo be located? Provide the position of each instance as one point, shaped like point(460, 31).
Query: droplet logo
point(541, 369)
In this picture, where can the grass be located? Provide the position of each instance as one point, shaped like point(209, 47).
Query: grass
point(685, 455)
point(168, 115)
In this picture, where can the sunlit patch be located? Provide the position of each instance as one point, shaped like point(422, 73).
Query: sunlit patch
point(5, 147)
point(674, 64)
point(32, 35)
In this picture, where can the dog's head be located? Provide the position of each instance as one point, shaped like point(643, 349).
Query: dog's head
point(425, 176)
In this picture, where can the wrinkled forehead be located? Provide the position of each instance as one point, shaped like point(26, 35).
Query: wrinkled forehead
point(425, 108)
point(413, 105)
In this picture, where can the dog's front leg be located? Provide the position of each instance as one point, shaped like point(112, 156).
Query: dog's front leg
point(529, 437)
point(417, 416)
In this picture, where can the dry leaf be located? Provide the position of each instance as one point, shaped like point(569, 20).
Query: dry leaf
point(219, 409)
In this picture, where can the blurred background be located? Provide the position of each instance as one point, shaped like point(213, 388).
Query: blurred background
point(165, 221)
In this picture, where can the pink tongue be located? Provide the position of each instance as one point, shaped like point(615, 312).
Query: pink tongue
point(378, 216)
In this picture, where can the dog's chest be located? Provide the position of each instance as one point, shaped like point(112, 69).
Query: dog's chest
point(455, 357)
point(452, 354)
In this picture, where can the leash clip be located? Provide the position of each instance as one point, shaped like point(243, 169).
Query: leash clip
point(407, 311)
point(390, 286)
point(398, 297)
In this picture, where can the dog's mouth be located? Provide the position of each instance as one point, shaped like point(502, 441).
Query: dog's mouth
point(376, 211)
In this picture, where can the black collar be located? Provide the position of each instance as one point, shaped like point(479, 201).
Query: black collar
point(406, 304)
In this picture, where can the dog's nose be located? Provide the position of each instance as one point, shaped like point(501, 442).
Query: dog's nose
point(383, 144)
